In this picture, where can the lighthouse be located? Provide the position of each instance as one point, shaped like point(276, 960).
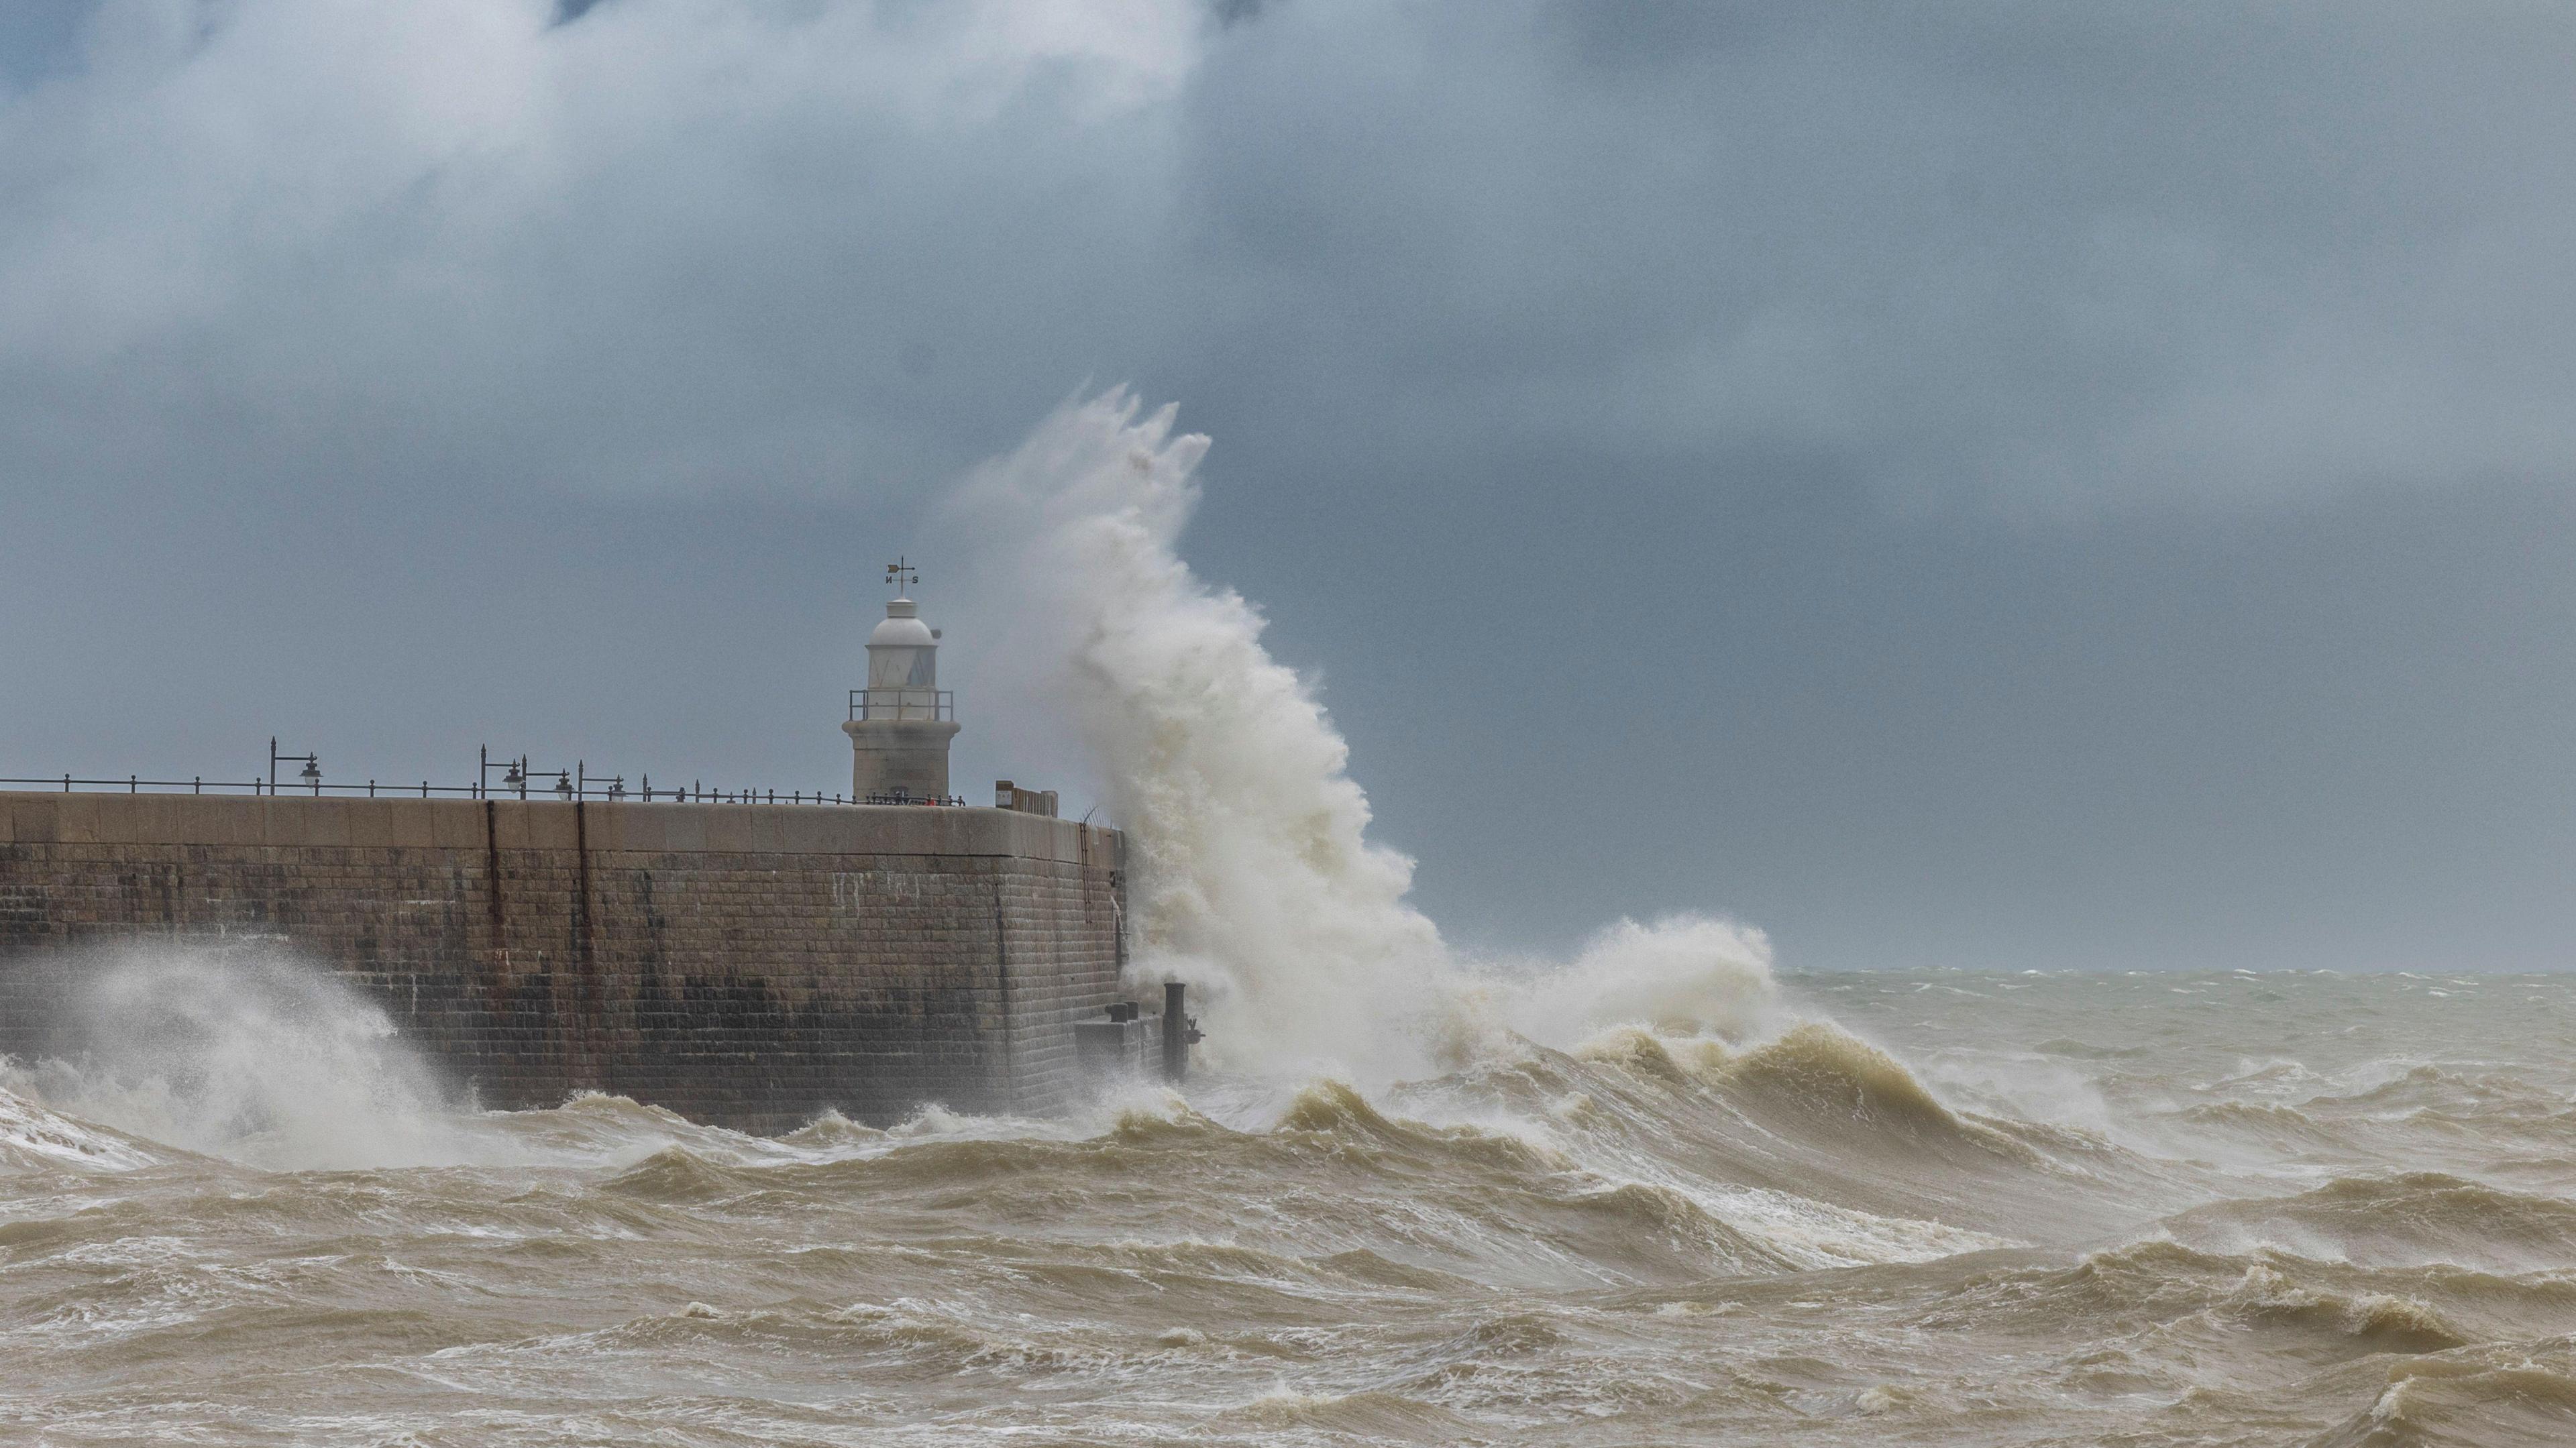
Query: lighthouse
point(900, 724)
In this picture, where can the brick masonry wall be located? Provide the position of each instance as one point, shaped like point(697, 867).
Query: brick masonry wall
point(747, 965)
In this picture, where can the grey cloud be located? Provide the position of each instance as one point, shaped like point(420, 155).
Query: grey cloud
point(669, 249)
point(1992, 252)
point(2020, 253)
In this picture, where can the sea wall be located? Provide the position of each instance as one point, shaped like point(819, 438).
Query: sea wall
point(743, 964)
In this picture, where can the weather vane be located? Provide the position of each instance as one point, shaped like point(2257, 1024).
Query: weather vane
point(902, 575)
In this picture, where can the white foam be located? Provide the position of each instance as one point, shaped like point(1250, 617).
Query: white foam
point(244, 1052)
point(31, 1135)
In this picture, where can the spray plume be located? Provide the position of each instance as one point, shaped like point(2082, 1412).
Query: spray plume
point(1256, 880)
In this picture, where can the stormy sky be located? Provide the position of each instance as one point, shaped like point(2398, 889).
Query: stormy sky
point(1978, 484)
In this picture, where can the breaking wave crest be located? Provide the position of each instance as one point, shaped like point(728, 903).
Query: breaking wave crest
point(1817, 1068)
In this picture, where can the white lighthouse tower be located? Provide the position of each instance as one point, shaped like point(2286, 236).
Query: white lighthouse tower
point(900, 724)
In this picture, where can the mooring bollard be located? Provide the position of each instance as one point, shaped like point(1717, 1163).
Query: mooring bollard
point(1176, 1033)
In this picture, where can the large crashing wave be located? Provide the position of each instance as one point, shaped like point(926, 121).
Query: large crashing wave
point(1257, 881)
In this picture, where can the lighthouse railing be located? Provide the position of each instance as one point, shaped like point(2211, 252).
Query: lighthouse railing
point(902, 705)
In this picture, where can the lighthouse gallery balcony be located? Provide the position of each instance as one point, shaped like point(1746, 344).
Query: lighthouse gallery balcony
point(902, 705)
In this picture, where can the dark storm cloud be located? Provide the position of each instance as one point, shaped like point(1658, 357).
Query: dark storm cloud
point(2033, 253)
point(1764, 331)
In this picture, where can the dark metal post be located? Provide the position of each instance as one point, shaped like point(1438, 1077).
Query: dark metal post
point(1176, 1039)
point(312, 767)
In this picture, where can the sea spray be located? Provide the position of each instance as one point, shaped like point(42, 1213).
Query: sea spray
point(237, 1050)
point(1684, 974)
point(1256, 879)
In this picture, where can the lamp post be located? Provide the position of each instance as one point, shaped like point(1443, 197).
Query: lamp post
point(514, 774)
point(311, 773)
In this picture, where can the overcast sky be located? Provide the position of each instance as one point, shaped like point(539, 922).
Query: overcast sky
point(1979, 484)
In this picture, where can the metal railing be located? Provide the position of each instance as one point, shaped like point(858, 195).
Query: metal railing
point(518, 781)
point(902, 705)
point(948, 801)
point(608, 789)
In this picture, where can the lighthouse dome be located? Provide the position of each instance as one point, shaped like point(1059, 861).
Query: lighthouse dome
point(902, 627)
point(903, 652)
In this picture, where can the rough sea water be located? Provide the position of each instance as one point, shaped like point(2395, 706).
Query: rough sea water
point(1660, 1192)
point(1941, 1209)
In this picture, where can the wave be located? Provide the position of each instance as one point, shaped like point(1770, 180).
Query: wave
point(1368, 1415)
point(1818, 1069)
point(2484, 1398)
point(1818, 1145)
point(36, 1139)
point(2415, 1218)
point(2171, 1304)
point(2267, 1123)
point(2374, 1322)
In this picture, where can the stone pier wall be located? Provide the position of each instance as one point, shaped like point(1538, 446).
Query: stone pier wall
point(748, 965)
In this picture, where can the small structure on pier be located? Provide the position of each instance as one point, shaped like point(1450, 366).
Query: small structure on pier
point(901, 723)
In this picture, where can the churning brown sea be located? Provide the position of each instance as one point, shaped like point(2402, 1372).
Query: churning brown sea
point(1943, 1208)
